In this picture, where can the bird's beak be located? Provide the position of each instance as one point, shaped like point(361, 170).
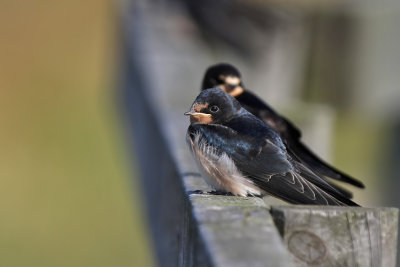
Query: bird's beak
point(198, 117)
point(189, 113)
point(231, 85)
point(233, 80)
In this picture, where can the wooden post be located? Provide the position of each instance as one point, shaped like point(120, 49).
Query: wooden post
point(332, 236)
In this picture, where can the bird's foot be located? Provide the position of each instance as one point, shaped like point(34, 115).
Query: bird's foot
point(197, 192)
point(220, 192)
point(213, 192)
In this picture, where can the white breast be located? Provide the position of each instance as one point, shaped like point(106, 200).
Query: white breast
point(219, 170)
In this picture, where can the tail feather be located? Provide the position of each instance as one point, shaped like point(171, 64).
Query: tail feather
point(319, 166)
point(296, 188)
point(322, 183)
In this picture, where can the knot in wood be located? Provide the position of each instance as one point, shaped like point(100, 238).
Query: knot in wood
point(307, 247)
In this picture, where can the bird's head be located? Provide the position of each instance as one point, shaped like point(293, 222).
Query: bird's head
point(225, 77)
point(213, 106)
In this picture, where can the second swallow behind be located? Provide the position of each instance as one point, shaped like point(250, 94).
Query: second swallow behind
point(228, 78)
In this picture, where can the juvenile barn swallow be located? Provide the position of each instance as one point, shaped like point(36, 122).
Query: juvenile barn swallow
point(228, 78)
point(240, 154)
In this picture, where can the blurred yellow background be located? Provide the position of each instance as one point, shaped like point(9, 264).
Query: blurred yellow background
point(66, 196)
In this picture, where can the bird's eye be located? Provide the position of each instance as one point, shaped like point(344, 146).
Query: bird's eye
point(214, 109)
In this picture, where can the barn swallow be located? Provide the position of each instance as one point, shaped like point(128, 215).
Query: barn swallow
point(240, 154)
point(228, 78)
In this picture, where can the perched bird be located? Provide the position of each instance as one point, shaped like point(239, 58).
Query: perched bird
point(228, 78)
point(240, 154)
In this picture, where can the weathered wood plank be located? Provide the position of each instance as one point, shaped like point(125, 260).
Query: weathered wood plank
point(239, 231)
point(332, 236)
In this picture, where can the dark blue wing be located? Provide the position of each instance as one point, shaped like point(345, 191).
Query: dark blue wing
point(245, 150)
point(291, 136)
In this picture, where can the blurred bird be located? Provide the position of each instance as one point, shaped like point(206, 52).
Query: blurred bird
point(240, 154)
point(228, 78)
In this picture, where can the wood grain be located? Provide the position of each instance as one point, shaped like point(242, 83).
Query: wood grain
point(333, 236)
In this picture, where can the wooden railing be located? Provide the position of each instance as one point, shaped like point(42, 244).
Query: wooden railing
point(193, 229)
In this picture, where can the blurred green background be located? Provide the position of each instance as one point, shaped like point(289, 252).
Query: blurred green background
point(66, 197)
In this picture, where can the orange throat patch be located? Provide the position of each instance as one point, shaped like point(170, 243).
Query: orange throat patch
point(237, 90)
point(201, 118)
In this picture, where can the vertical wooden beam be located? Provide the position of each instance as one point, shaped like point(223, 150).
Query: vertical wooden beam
point(336, 236)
